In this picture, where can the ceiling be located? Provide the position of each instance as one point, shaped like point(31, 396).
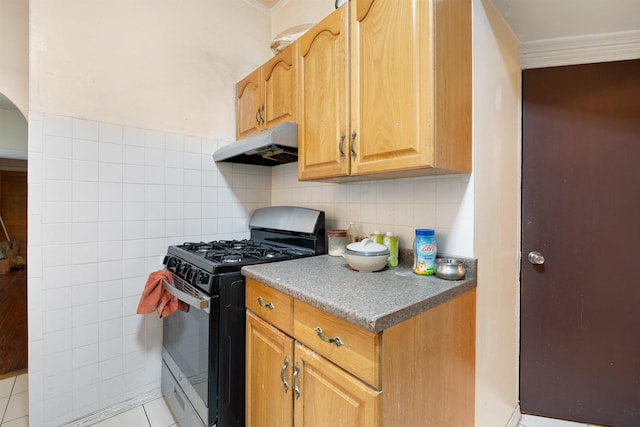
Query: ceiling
point(533, 20)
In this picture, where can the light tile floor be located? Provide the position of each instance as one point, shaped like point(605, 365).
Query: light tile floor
point(152, 414)
point(14, 401)
point(14, 409)
point(533, 421)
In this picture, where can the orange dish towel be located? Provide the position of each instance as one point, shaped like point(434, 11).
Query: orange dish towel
point(155, 298)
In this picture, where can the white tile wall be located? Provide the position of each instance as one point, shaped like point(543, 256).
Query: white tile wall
point(105, 201)
point(398, 205)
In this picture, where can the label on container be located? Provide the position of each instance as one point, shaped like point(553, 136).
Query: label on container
point(425, 255)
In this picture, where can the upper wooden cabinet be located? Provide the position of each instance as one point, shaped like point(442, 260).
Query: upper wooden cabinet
point(267, 96)
point(323, 99)
point(393, 99)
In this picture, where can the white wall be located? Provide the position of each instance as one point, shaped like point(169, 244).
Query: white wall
point(162, 65)
point(290, 13)
point(128, 102)
point(496, 181)
point(13, 134)
point(14, 43)
point(105, 200)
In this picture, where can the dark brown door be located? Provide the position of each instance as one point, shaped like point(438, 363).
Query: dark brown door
point(580, 336)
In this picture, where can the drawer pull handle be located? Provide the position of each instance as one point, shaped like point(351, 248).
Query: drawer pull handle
point(284, 368)
point(325, 338)
point(267, 305)
point(294, 377)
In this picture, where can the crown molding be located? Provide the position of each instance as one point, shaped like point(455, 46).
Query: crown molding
point(258, 5)
point(580, 49)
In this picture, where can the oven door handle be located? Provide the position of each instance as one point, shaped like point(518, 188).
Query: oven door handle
point(195, 302)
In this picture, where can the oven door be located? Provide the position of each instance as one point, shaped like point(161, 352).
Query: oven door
point(190, 348)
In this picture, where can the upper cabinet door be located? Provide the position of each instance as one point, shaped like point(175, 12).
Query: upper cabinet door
point(279, 81)
point(248, 101)
point(391, 81)
point(267, 96)
point(323, 99)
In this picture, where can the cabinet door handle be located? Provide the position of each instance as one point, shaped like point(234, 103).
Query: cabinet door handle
point(325, 338)
point(284, 368)
point(351, 142)
point(267, 305)
point(262, 115)
point(258, 117)
point(294, 379)
point(341, 145)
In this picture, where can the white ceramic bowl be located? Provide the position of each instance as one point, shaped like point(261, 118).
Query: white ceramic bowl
point(366, 256)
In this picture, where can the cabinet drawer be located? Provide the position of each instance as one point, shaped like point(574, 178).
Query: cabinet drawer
point(269, 304)
point(358, 352)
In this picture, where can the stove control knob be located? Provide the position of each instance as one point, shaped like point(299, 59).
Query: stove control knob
point(203, 279)
point(185, 269)
point(190, 276)
point(172, 263)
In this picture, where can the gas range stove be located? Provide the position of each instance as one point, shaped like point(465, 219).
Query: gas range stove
point(199, 263)
point(277, 234)
point(203, 376)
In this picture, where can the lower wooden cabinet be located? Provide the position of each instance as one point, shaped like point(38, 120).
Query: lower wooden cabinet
point(269, 362)
point(291, 385)
point(420, 372)
point(329, 396)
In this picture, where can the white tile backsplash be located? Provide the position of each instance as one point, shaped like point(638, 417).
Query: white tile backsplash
point(56, 168)
point(86, 129)
point(57, 125)
point(109, 191)
point(85, 170)
point(57, 146)
point(84, 314)
point(110, 133)
point(397, 205)
point(133, 136)
point(111, 153)
point(85, 191)
point(85, 150)
point(56, 233)
point(133, 174)
point(84, 335)
point(105, 200)
point(82, 294)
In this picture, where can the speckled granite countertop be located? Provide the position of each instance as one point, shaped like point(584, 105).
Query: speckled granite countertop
point(373, 301)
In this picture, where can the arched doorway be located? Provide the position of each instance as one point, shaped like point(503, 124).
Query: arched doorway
point(13, 239)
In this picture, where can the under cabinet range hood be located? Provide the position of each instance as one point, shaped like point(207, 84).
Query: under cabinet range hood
point(271, 147)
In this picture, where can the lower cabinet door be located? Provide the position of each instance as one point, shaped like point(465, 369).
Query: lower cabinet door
point(269, 368)
point(326, 395)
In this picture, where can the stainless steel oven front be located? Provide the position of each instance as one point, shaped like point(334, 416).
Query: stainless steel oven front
point(203, 353)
